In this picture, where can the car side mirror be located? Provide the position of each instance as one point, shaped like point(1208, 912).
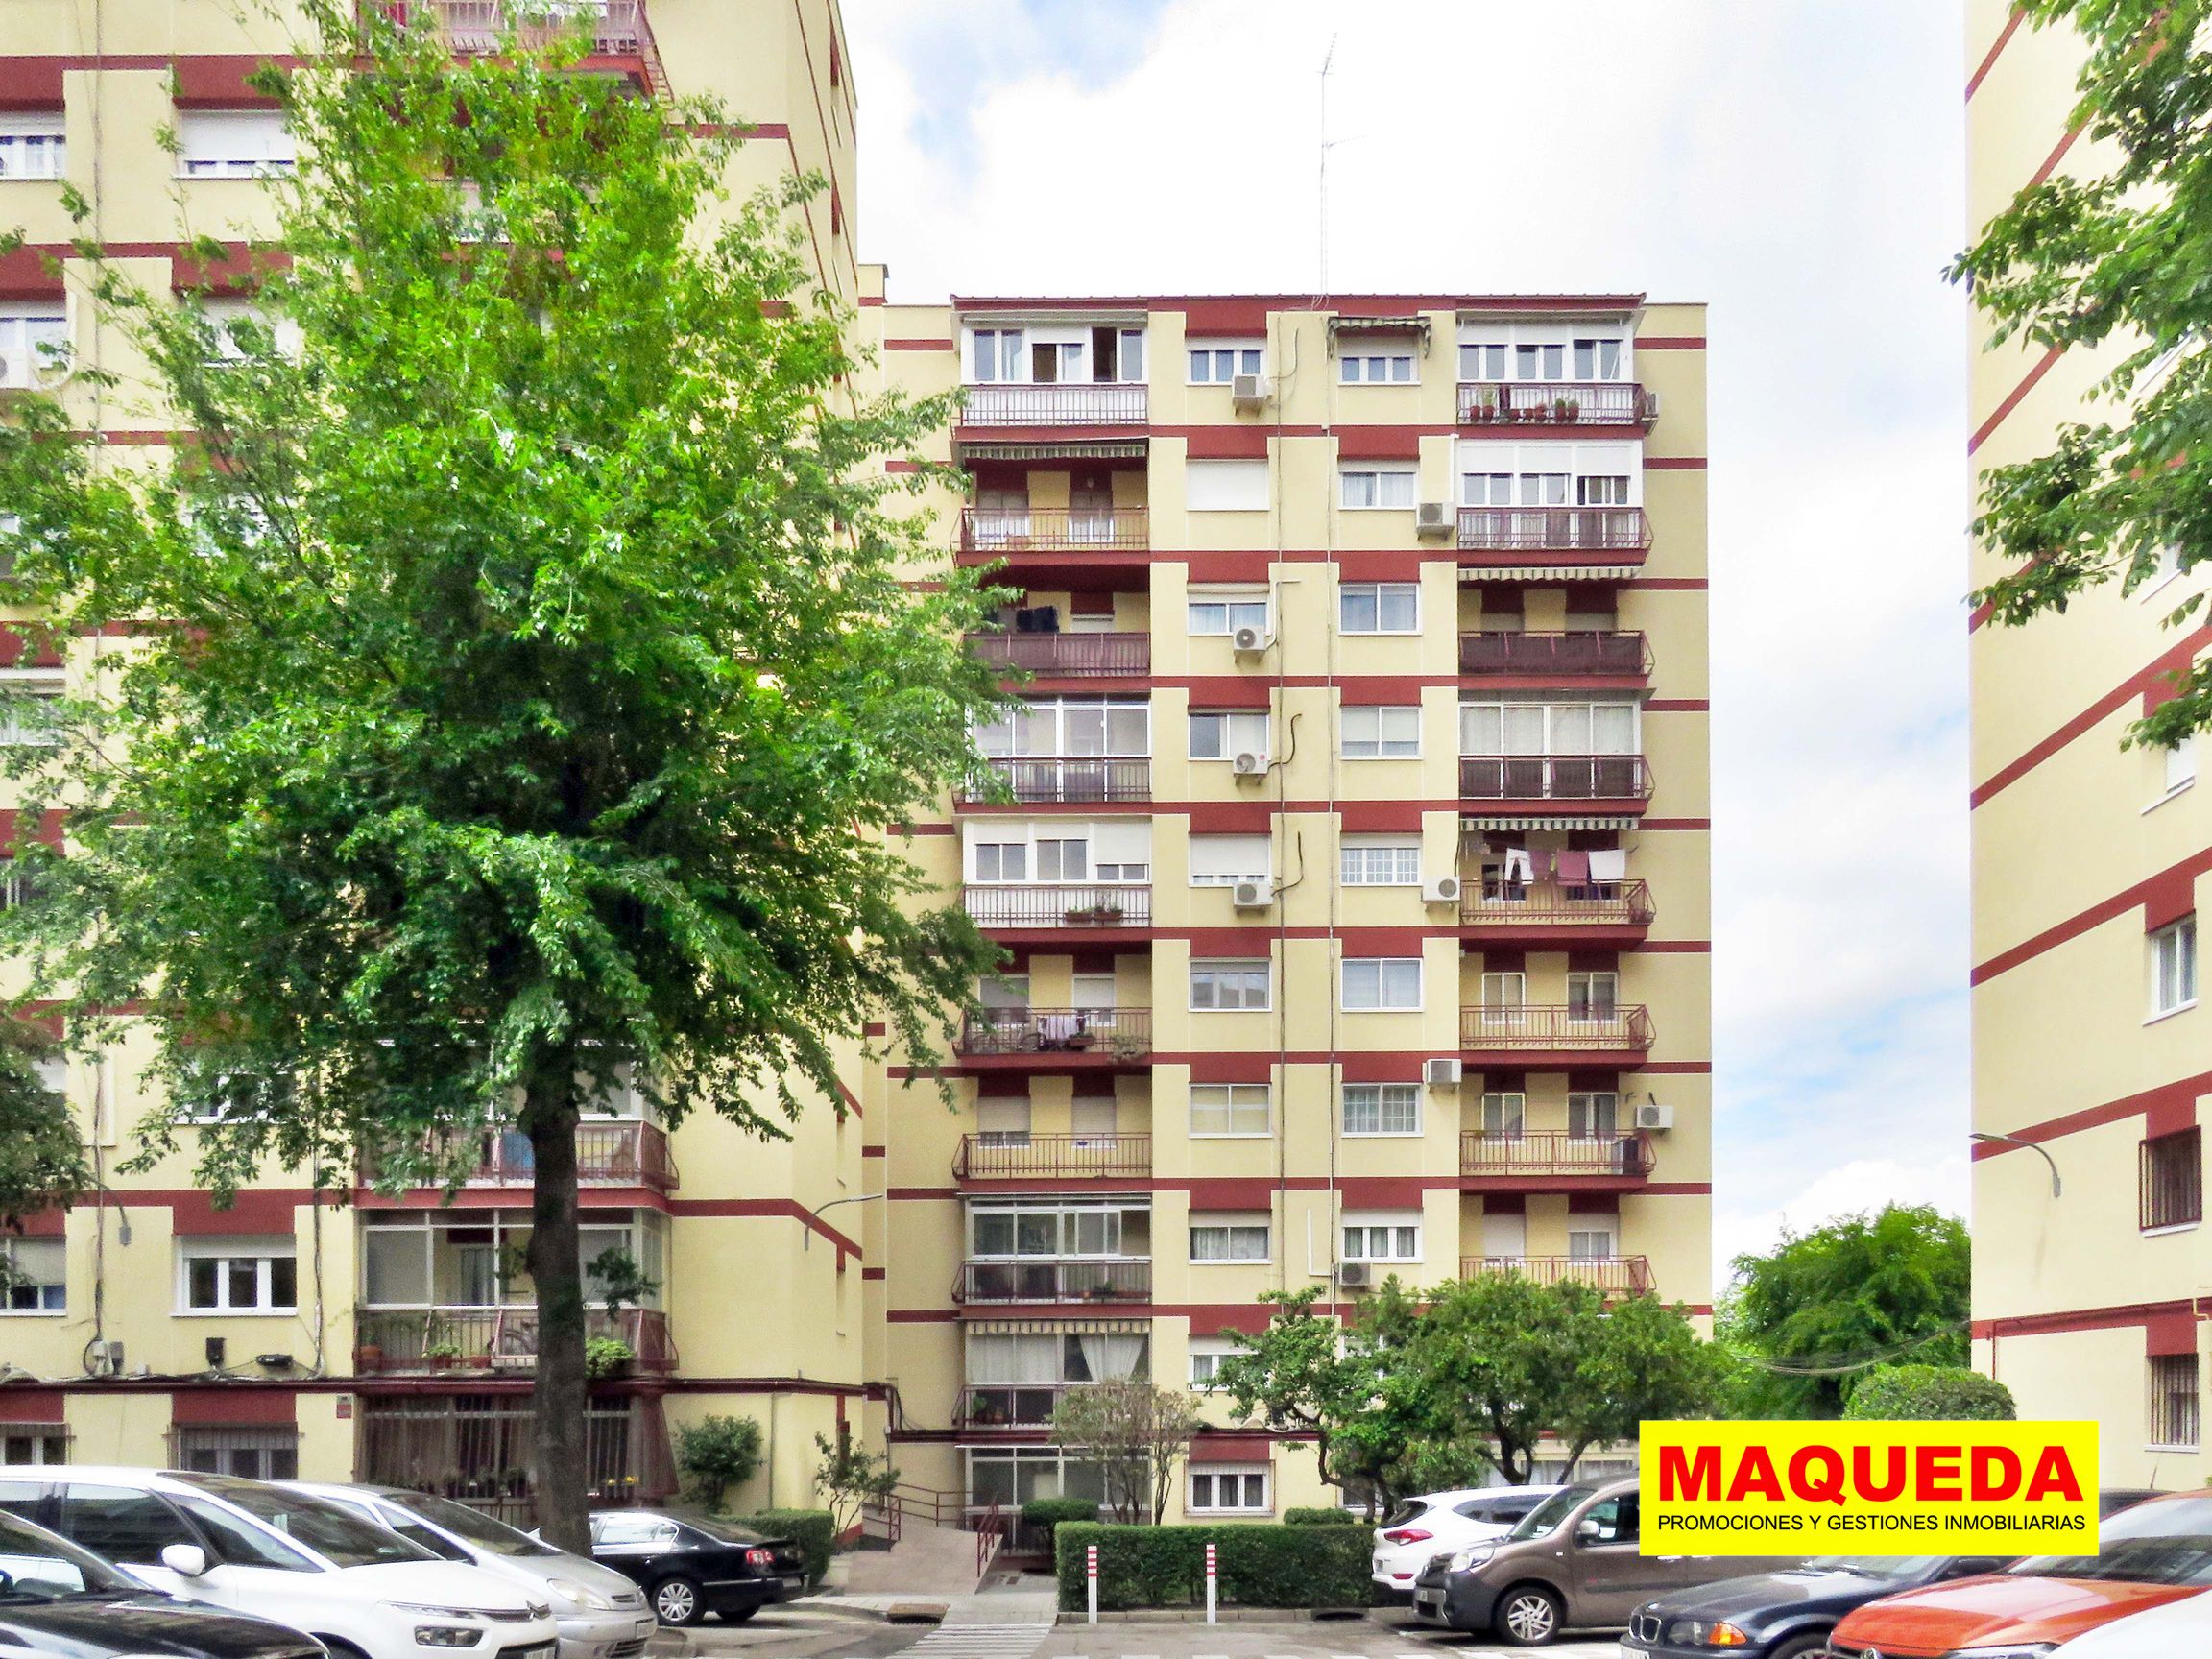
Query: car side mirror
point(188, 1561)
point(1590, 1531)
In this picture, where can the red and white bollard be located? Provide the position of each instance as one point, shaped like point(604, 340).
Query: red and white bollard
point(1091, 1568)
point(1212, 1572)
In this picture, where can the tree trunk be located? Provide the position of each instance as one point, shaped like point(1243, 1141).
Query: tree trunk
point(561, 1474)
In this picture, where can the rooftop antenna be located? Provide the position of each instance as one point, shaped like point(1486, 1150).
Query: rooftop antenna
point(1328, 61)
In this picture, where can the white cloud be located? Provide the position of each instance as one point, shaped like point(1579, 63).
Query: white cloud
point(1862, 1185)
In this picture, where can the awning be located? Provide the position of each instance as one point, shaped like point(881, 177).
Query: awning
point(1357, 325)
point(1104, 450)
point(1058, 1327)
point(1469, 825)
point(1561, 572)
point(1231, 1448)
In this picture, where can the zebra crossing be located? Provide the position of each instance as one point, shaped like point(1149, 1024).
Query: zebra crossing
point(980, 1642)
point(1458, 1647)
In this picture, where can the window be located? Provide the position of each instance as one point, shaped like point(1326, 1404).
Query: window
point(1373, 487)
point(2172, 1414)
point(1225, 486)
point(1002, 861)
point(249, 1454)
point(1063, 859)
point(1002, 1121)
point(31, 340)
point(1379, 607)
point(237, 1276)
point(32, 146)
point(261, 335)
point(29, 699)
point(1229, 1241)
point(2173, 966)
point(1042, 1228)
point(121, 1524)
point(1230, 1108)
point(2172, 1180)
point(1377, 369)
point(1593, 997)
point(1205, 1365)
point(1548, 729)
point(1381, 864)
point(1372, 733)
point(233, 143)
point(1390, 1240)
point(1589, 1244)
point(1225, 736)
point(1224, 614)
point(1381, 1109)
point(1608, 490)
point(2181, 764)
point(1227, 1491)
point(30, 1443)
point(1374, 983)
point(1224, 860)
point(1594, 1114)
point(995, 354)
point(1215, 364)
point(1071, 726)
point(1229, 985)
point(33, 1276)
point(1504, 1113)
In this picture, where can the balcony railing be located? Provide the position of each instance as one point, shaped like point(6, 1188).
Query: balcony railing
point(1055, 905)
point(1057, 405)
point(1051, 1280)
point(618, 27)
point(1009, 1404)
point(1549, 1153)
point(1012, 1156)
point(1625, 1027)
point(1055, 530)
point(1555, 530)
point(1115, 1033)
point(1548, 904)
point(1066, 656)
point(627, 1152)
point(493, 1339)
point(1071, 777)
point(1615, 1275)
point(1555, 403)
point(1563, 654)
point(1554, 777)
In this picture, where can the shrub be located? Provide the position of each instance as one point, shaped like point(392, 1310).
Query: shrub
point(719, 1453)
point(1929, 1391)
point(813, 1530)
point(1320, 1518)
point(1260, 1566)
point(1047, 1513)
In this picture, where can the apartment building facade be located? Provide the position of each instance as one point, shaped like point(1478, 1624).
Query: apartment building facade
point(2088, 863)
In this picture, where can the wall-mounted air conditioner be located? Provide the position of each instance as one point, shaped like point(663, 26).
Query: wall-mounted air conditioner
point(1653, 1115)
point(1249, 641)
point(1435, 519)
point(1248, 392)
point(1251, 763)
point(1443, 890)
point(1443, 1072)
point(1252, 895)
point(1354, 1275)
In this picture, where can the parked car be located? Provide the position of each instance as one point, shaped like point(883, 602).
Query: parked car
point(601, 1614)
point(2152, 1553)
point(1436, 1523)
point(1571, 1562)
point(57, 1598)
point(1783, 1615)
point(2180, 1627)
point(365, 1593)
point(689, 1569)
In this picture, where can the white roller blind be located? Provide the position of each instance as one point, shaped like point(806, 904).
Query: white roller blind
point(1120, 841)
point(232, 140)
point(1229, 858)
point(1225, 486)
point(1002, 1116)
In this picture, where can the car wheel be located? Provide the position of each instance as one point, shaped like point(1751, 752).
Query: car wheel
point(1526, 1616)
point(737, 1615)
point(676, 1601)
point(1801, 1648)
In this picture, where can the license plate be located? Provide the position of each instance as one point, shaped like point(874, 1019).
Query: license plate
point(646, 1627)
point(1429, 1597)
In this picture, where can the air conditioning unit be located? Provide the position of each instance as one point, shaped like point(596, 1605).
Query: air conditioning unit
point(1252, 895)
point(1354, 1275)
point(1435, 519)
point(1247, 391)
point(1650, 405)
point(1653, 1115)
point(105, 1360)
point(1444, 890)
point(1441, 1074)
point(1251, 642)
point(1251, 763)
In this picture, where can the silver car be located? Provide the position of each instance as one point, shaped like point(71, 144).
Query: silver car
point(601, 1614)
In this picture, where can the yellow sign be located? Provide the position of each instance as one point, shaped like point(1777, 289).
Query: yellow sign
point(1869, 1489)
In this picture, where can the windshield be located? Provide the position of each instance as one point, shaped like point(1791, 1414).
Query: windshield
point(471, 1524)
point(2169, 1542)
point(338, 1535)
point(1877, 1566)
point(1549, 1516)
point(36, 1566)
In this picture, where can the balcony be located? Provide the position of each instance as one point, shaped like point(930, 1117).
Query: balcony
point(1054, 1157)
point(1613, 1275)
point(1104, 1036)
point(1084, 779)
point(492, 1339)
point(1548, 656)
point(1623, 779)
point(1549, 912)
point(619, 27)
point(1056, 907)
point(996, 532)
point(1066, 656)
point(626, 1152)
point(1593, 1160)
point(1565, 1032)
point(1075, 404)
point(1009, 1404)
point(1607, 536)
point(1050, 1279)
point(1555, 403)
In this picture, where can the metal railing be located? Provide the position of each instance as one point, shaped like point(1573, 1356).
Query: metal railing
point(1555, 402)
point(1549, 1152)
point(493, 1339)
point(1053, 1157)
point(1055, 530)
point(1555, 529)
point(1070, 404)
point(1120, 1033)
point(1572, 653)
point(1621, 1028)
point(1551, 905)
point(618, 27)
point(1055, 905)
point(1071, 777)
point(1066, 656)
point(1615, 1275)
point(1008, 1405)
point(1049, 1279)
point(1554, 777)
point(990, 1538)
point(626, 1152)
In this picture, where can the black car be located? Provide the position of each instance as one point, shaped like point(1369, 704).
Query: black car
point(56, 1599)
point(689, 1569)
point(1785, 1615)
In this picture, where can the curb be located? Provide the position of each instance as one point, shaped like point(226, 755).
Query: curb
point(1226, 1616)
point(669, 1643)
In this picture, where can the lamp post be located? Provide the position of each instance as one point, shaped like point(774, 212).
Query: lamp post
point(2056, 1188)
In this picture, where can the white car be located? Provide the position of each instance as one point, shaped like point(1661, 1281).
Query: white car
point(601, 1614)
point(364, 1592)
point(1438, 1522)
point(2168, 1632)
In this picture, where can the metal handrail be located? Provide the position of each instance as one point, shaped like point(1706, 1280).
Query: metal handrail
point(1553, 904)
point(1120, 1033)
point(1550, 1152)
point(1555, 402)
point(1554, 777)
point(1053, 1157)
point(1079, 777)
point(1066, 656)
point(1058, 904)
point(1577, 652)
point(1555, 529)
point(1055, 1279)
point(1615, 1275)
point(1055, 530)
point(494, 1338)
point(1070, 403)
point(1624, 1026)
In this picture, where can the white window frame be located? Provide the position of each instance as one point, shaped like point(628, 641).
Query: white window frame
point(1212, 1475)
point(33, 145)
point(25, 326)
point(1377, 484)
point(1366, 732)
point(1244, 358)
point(208, 145)
point(1057, 709)
point(1378, 864)
point(10, 1250)
point(1376, 1103)
point(1380, 1241)
point(1552, 715)
point(1009, 357)
point(1228, 602)
point(1214, 734)
point(1235, 1100)
point(1502, 348)
point(1378, 595)
point(2173, 967)
point(1211, 1352)
point(1244, 966)
point(1261, 854)
point(226, 1253)
point(1357, 972)
point(2179, 766)
point(1609, 1232)
point(46, 686)
point(1379, 368)
point(1230, 1228)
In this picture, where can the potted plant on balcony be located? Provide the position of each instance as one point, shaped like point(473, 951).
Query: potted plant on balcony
point(443, 1355)
point(607, 1359)
point(985, 1412)
point(1567, 409)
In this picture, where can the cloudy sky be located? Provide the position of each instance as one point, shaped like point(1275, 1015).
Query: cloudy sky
point(1799, 167)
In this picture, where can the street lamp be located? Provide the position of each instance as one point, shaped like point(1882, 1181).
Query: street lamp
point(2033, 1146)
point(807, 1234)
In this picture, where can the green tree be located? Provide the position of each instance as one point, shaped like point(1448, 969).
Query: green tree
point(1812, 1315)
point(717, 1454)
point(2115, 259)
point(852, 1479)
point(1304, 1372)
point(530, 671)
point(1947, 1393)
point(42, 1155)
point(1137, 1432)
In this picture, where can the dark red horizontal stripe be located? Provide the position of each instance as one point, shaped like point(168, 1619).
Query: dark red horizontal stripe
point(2164, 1109)
point(2151, 889)
point(2143, 682)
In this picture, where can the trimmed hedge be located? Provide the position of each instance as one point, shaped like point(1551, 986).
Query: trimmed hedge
point(813, 1530)
point(1318, 1517)
point(1046, 1514)
point(1260, 1566)
point(1930, 1393)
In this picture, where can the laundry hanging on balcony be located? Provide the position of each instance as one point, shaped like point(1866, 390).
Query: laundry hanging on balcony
point(1608, 864)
